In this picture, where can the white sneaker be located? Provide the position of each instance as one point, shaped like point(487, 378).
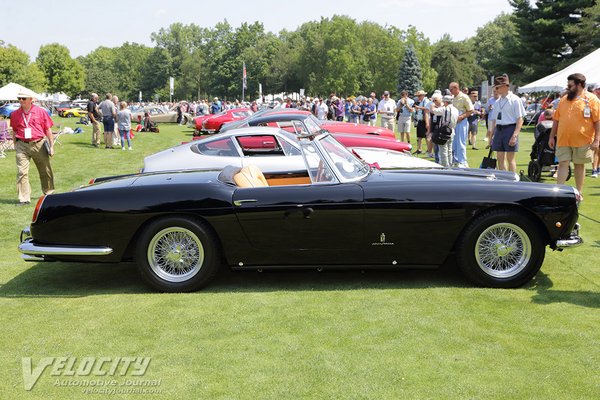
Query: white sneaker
point(122, 148)
point(595, 173)
point(129, 148)
point(463, 165)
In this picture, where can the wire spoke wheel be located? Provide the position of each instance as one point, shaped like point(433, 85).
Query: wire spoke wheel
point(503, 250)
point(175, 254)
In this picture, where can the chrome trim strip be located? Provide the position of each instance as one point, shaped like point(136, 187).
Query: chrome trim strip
point(27, 257)
point(31, 249)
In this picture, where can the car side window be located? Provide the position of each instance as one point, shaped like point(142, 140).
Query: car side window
point(222, 147)
point(289, 149)
point(264, 145)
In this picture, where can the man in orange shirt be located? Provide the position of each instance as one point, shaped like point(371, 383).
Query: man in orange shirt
point(576, 129)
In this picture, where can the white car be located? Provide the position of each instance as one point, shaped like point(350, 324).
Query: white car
point(270, 149)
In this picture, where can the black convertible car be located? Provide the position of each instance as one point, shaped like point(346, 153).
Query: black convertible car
point(180, 227)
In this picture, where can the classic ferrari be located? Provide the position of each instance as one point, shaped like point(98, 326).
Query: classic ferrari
point(180, 227)
point(259, 118)
point(290, 121)
point(213, 123)
point(270, 149)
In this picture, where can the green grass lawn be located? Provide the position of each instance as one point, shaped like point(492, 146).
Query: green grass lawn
point(297, 334)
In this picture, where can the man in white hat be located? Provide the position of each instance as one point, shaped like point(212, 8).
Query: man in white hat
point(387, 109)
point(33, 138)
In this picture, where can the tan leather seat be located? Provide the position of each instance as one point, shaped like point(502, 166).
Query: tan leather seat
point(250, 176)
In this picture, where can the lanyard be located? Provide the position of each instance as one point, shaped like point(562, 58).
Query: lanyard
point(26, 120)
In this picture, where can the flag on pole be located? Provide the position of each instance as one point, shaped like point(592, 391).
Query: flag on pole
point(244, 82)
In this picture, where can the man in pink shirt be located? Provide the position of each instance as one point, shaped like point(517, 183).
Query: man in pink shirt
point(33, 138)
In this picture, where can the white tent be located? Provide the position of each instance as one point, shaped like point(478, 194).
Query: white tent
point(11, 90)
point(589, 66)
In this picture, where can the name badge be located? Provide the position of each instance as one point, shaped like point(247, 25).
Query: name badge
point(27, 133)
point(587, 112)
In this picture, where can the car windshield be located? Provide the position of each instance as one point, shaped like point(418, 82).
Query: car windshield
point(312, 125)
point(326, 159)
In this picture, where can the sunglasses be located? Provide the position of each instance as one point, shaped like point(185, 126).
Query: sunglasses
point(22, 98)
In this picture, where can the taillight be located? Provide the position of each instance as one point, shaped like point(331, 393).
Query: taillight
point(38, 206)
point(91, 182)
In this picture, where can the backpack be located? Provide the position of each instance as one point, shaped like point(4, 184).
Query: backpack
point(442, 133)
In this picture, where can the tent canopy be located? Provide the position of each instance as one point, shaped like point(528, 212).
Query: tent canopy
point(557, 82)
point(11, 90)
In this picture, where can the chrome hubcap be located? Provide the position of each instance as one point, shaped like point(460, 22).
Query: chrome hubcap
point(503, 250)
point(175, 254)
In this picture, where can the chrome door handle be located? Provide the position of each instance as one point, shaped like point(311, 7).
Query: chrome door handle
point(240, 202)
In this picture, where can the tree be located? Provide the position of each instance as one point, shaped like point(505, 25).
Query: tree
point(409, 77)
point(155, 74)
point(455, 61)
point(424, 51)
point(545, 42)
point(491, 43)
point(62, 72)
point(99, 75)
point(586, 31)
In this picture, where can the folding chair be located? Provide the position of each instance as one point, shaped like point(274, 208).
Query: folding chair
point(6, 141)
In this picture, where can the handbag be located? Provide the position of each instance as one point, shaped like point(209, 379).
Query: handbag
point(443, 132)
point(488, 162)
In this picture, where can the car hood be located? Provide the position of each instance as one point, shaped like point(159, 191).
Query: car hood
point(448, 174)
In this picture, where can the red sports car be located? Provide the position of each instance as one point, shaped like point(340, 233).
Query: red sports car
point(213, 123)
point(330, 126)
point(301, 122)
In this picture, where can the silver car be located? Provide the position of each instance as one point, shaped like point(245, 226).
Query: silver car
point(270, 149)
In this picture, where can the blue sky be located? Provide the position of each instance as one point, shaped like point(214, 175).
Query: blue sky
point(83, 26)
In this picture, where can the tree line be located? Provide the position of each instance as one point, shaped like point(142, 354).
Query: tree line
point(336, 54)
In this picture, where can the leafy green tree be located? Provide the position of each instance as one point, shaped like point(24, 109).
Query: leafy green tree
point(455, 61)
point(13, 63)
point(32, 77)
point(62, 72)
point(383, 49)
point(156, 73)
point(586, 31)
point(180, 41)
point(409, 77)
point(99, 75)
point(491, 42)
point(545, 40)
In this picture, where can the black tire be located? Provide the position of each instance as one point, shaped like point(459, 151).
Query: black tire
point(534, 171)
point(501, 248)
point(189, 258)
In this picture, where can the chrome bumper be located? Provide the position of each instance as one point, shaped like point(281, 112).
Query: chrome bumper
point(37, 252)
point(573, 240)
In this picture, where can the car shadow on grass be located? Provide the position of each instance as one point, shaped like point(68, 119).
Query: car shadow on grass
point(79, 280)
point(542, 284)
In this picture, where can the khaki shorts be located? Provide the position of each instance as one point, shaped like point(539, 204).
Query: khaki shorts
point(404, 124)
point(579, 155)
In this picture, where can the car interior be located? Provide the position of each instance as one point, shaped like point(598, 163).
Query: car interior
point(251, 176)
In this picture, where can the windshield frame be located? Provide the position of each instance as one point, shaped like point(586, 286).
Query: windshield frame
point(319, 143)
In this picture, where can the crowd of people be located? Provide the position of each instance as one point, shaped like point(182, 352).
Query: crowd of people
point(445, 124)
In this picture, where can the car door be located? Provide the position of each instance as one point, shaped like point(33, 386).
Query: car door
point(301, 224)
